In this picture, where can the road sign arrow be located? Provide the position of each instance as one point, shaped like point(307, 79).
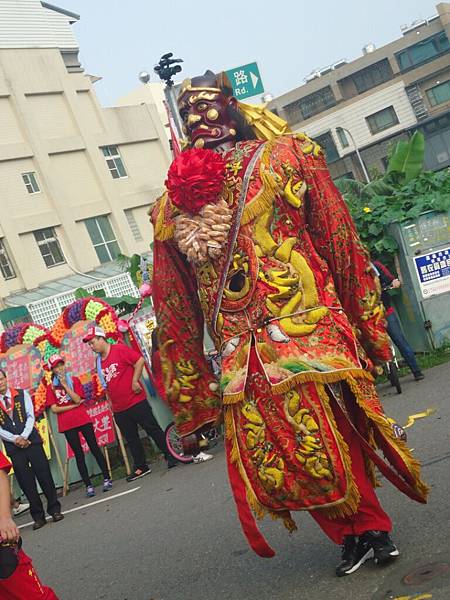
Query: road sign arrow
point(248, 75)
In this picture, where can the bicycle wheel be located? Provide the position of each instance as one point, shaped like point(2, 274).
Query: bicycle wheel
point(393, 376)
point(175, 446)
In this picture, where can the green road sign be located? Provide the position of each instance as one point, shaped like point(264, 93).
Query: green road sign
point(246, 81)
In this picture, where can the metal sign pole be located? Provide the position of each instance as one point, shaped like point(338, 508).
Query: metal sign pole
point(169, 93)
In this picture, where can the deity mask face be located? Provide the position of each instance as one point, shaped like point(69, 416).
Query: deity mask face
point(204, 110)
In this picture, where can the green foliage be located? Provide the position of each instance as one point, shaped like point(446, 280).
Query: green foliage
point(407, 160)
point(403, 193)
point(81, 293)
point(130, 264)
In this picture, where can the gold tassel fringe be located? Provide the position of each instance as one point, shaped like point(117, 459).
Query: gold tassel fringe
point(163, 231)
point(348, 505)
point(230, 431)
point(400, 446)
point(310, 376)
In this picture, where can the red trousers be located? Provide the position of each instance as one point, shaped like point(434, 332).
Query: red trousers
point(370, 515)
point(24, 584)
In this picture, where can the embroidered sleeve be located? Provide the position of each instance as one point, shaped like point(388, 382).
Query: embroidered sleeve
point(334, 236)
point(190, 387)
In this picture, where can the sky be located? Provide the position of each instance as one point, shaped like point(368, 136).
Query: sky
point(288, 39)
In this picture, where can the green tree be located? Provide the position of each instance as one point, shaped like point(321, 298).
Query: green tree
point(402, 193)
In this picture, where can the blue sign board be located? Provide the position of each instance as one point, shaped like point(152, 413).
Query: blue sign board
point(433, 272)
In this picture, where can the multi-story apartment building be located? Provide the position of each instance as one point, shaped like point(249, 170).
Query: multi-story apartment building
point(383, 96)
point(76, 179)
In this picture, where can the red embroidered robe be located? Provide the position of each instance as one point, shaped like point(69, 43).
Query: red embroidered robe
point(293, 305)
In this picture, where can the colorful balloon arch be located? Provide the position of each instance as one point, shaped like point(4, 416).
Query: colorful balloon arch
point(66, 338)
point(22, 348)
point(26, 347)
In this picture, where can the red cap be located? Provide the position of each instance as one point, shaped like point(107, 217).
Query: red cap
point(93, 332)
point(54, 360)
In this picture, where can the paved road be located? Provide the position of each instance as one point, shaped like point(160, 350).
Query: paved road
point(176, 537)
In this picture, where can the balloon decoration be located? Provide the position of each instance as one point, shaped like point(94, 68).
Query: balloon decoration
point(66, 338)
point(22, 349)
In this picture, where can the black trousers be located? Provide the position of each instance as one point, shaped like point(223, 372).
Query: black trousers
point(31, 464)
point(73, 439)
point(128, 422)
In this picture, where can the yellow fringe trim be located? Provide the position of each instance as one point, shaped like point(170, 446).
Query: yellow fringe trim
point(350, 503)
point(370, 467)
point(255, 505)
point(163, 231)
point(400, 446)
point(316, 377)
point(230, 431)
point(288, 521)
point(264, 199)
point(234, 398)
point(307, 377)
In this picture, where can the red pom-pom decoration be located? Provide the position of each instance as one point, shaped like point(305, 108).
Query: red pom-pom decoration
point(195, 178)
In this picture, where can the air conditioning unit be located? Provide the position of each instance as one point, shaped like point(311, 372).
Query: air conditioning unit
point(313, 75)
point(369, 48)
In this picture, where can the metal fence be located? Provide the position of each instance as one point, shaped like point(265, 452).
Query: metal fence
point(46, 311)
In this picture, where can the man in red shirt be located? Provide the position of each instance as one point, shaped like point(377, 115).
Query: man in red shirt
point(65, 397)
point(120, 368)
point(23, 582)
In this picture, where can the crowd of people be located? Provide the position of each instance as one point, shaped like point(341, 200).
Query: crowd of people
point(119, 368)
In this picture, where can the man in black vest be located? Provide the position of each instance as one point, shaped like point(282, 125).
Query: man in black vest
point(23, 445)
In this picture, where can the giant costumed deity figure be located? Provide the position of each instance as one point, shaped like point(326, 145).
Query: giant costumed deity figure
point(253, 238)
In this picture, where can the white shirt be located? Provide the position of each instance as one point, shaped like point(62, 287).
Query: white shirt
point(7, 436)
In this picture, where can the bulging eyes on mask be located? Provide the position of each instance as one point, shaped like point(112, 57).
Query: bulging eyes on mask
point(207, 122)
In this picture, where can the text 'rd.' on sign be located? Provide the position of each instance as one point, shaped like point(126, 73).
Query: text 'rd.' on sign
point(246, 81)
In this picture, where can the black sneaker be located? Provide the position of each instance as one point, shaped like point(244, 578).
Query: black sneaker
point(418, 376)
point(384, 549)
point(139, 473)
point(354, 554)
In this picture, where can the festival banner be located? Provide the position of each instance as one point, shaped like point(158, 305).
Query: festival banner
point(102, 419)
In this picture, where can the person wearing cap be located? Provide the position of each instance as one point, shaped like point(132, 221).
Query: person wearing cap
point(18, 579)
point(23, 444)
point(120, 368)
point(65, 398)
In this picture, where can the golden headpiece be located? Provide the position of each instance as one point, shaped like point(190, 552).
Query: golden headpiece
point(265, 124)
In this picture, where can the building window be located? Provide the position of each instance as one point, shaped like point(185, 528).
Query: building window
point(326, 142)
point(49, 247)
point(6, 266)
point(103, 238)
point(439, 93)
point(114, 162)
point(423, 52)
point(306, 107)
point(133, 225)
point(342, 137)
point(31, 183)
point(372, 76)
point(381, 120)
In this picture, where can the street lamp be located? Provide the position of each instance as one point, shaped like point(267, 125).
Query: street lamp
point(340, 130)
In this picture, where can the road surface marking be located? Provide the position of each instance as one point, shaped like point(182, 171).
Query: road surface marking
point(65, 512)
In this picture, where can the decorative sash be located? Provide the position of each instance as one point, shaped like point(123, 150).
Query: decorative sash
point(240, 205)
